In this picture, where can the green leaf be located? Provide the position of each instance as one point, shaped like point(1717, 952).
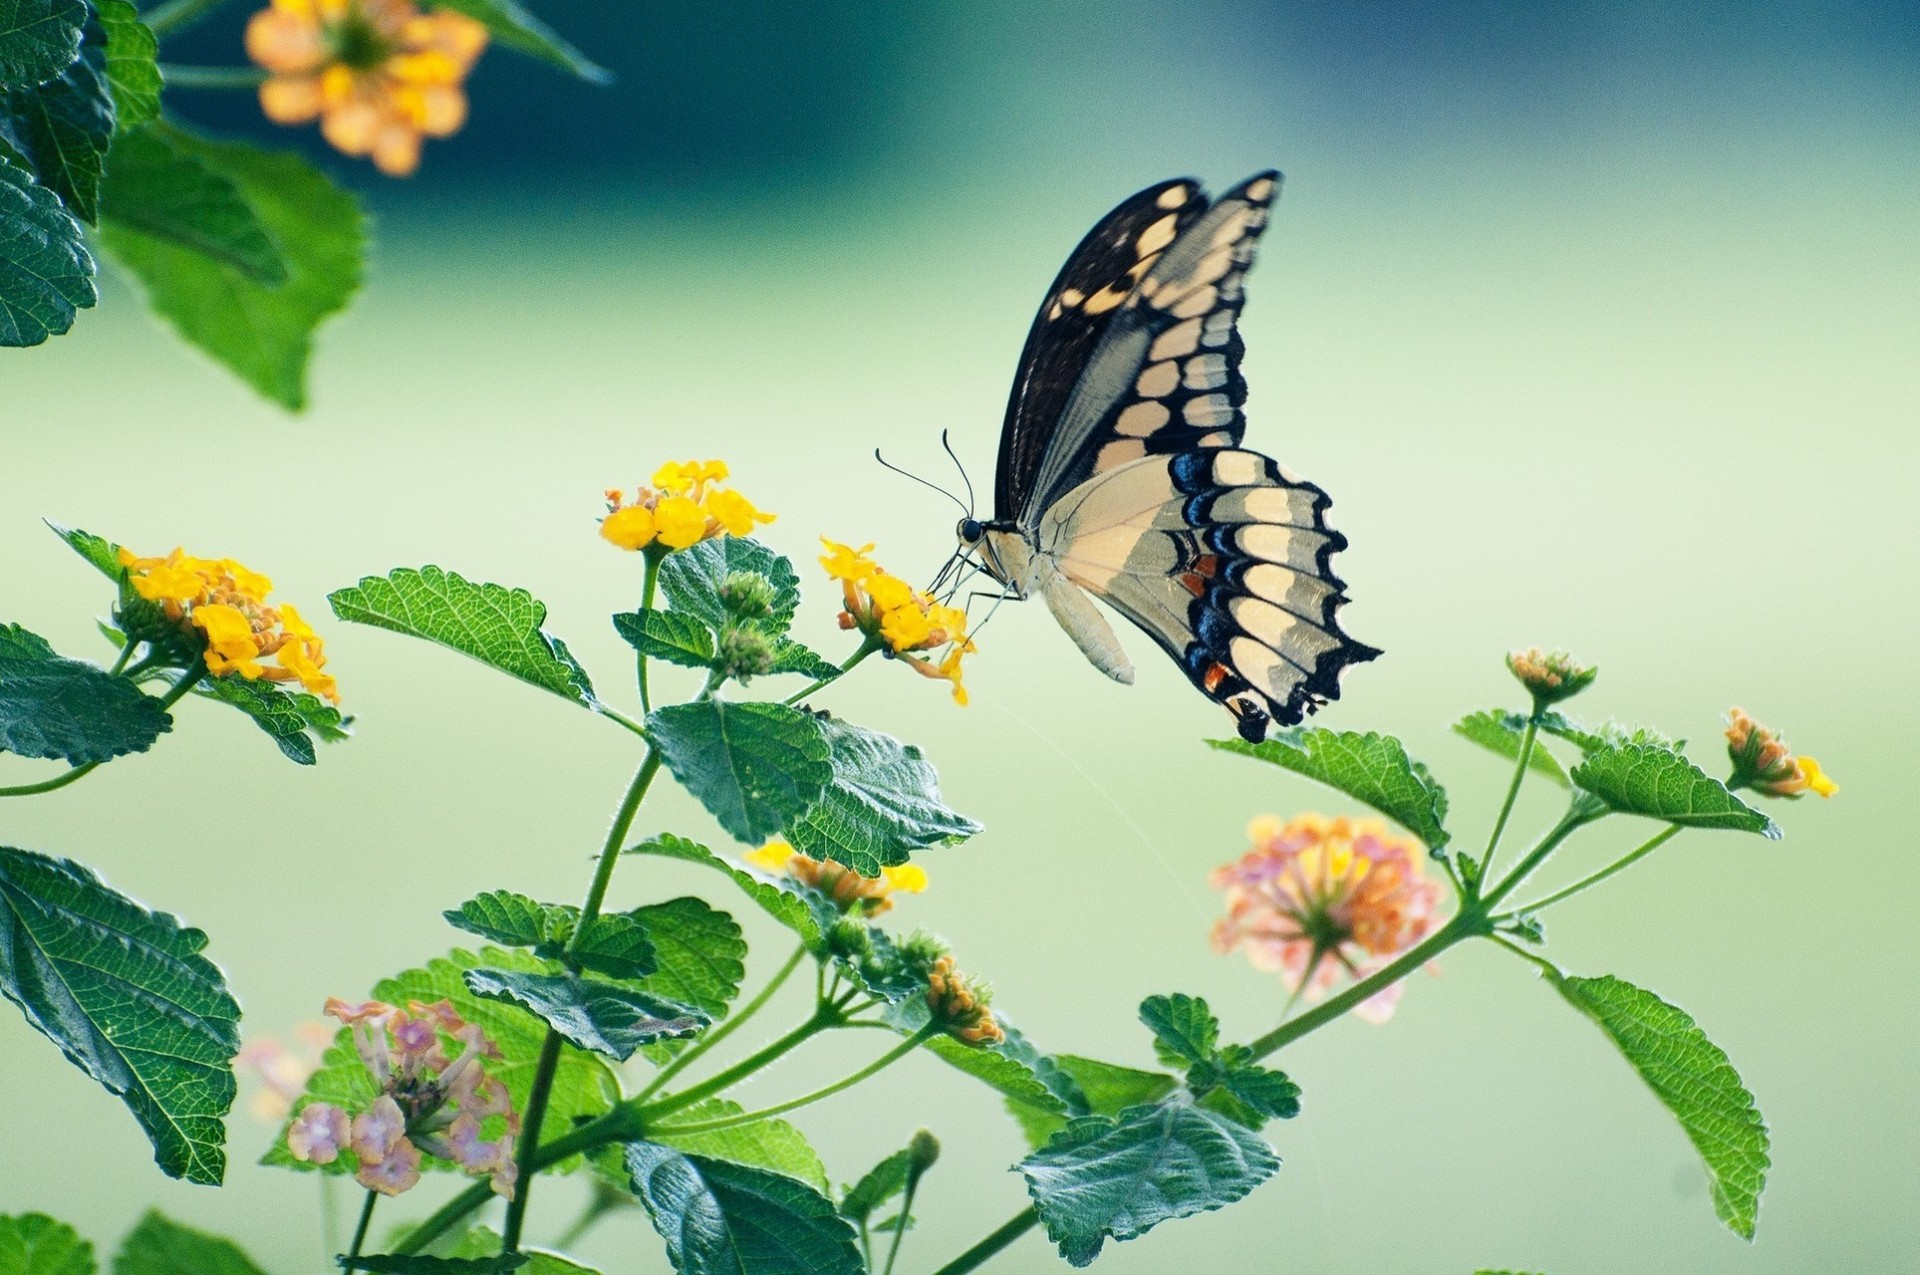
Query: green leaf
point(780, 897)
point(262, 333)
point(1644, 779)
point(881, 1183)
point(882, 805)
point(1237, 1086)
point(509, 918)
point(100, 552)
point(423, 1264)
point(158, 187)
point(790, 656)
point(496, 625)
point(701, 954)
point(35, 1244)
point(764, 1144)
point(161, 1246)
point(1503, 733)
point(583, 1085)
point(1370, 768)
point(46, 273)
point(720, 1217)
point(133, 77)
point(483, 1242)
point(1693, 1078)
point(756, 767)
point(1096, 1088)
point(128, 998)
point(1184, 1029)
point(1013, 1067)
point(615, 944)
point(603, 1017)
point(38, 39)
point(62, 127)
point(292, 719)
point(517, 29)
point(672, 636)
point(1118, 1177)
point(56, 708)
point(691, 579)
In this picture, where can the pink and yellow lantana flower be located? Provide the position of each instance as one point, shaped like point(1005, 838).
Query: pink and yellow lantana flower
point(903, 619)
point(850, 891)
point(1763, 762)
point(685, 505)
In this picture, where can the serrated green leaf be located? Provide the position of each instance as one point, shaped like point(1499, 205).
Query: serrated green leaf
point(764, 1144)
point(883, 803)
point(690, 581)
point(755, 767)
point(1118, 1177)
point(129, 999)
point(38, 39)
point(294, 720)
point(100, 552)
point(60, 709)
point(158, 186)
point(62, 127)
point(483, 1242)
point(262, 333)
point(672, 636)
point(1503, 733)
point(720, 1217)
point(506, 917)
point(802, 911)
point(701, 954)
point(879, 1184)
point(1644, 779)
point(1240, 1087)
point(1184, 1029)
point(614, 944)
point(1096, 1088)
point(161, 1246)
point(46, 273)
point(583, 1085)
point(424, 1264)
point(133, 76)
point(595, 1015)
point(517, 29)
point(1370, 768)
point(496, 625)
point(35, 1244)
point(790, 656)
point(1592, 738)
point(1693, 1078)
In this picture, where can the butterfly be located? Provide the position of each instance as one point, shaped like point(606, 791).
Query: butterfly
point(1121, 473)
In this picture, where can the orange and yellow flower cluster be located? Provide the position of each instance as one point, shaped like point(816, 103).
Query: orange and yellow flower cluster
point(378, 74)
point(226, 605)
point(959, 1005)
point(684, 506)
point(850, 891)
point(1762, 762)
point(887, 609)
point(1318, 897)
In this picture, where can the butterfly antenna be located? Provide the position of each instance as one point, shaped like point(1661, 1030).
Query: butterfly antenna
point(923, 482)
point(962, 468)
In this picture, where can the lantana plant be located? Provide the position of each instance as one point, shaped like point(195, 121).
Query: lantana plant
point(558, 1037)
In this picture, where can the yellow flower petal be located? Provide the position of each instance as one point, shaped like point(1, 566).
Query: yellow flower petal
point(676, 479)
point(1816, 778)
point(680, 522)
point(908, 877)
point(889, 593)
point(844, 562)
point(773, 856)
point(630, 528)
point(734, 512)
point(905, 628)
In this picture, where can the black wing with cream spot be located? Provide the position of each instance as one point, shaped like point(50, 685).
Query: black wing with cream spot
point(1097, 280)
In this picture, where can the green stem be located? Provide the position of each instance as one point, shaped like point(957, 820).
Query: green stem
point(126, 653)
point(187, 682)
point(646, 605)
point(846, 1082)
point(176, 76)
point(1645, 848)
point(720, 1033)
point(901, 1220)
point(616, 838)
point(615, 715)
point(360, 1231)
point(977, 1256)
point(1513, 793)
point(867, 648)
point(823, 1018)
point(1535, 857)
point(175, 14)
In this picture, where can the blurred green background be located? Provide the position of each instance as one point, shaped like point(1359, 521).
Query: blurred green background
point(1599, 325)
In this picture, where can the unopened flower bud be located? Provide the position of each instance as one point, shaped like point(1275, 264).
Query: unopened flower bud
point(1763, 762)
point(747, 595)
point(1550, 677)
point(959, 1005)
point(746, 653)
point(849, 939)
point(925, 1149)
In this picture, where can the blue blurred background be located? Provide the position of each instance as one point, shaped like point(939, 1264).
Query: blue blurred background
point(1599, 323)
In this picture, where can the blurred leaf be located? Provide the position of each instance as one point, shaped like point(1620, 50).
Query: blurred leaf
point(263, 333)
point(1370, 768)
point(1640, 779)
point(46, 273)
point(38, 39)
point(882, 805)
point(158, 187)
point(720, 1217)
point(292, 719)
point(133, 78)
point(1693, 1078)
point(603, 1017)
point(781, 898)
point(1184, 1029)
point(161, 1246)
point(1503, 733)
point(422, 1264)
point(482, 1242)
point(1117, 1177)
point(755, 767)
point(35, 1244)
point(673, 636)
point(691, 580)
point(496, 625)
point(128, 998)
point(62, 127)
point(701, 955)
point(56, 708)
point(763, 1144)
point(517, 29)
point(879, 1184)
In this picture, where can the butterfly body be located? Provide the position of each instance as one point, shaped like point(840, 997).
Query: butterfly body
point(1121, 473)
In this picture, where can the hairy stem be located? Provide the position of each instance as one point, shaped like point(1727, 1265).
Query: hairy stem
point(1513, 793)
point(846, 1082)
point(977, 1256)
point(1535, 857)
point(646, 605)
point(1626, 861)
point(867, 648)
point(360, 1231)
point(822, 1018)
point(706, 1042)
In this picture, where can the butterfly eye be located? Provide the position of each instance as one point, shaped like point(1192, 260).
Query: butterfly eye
point(971, 531)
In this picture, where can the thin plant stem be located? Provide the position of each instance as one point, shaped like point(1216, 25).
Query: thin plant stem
point(900, 1223)
point(646, 605)
point(187, 682)
point(873, 1068)
point(867, 648)
point(360, 1231)
point(621, 719)
point(706, 1042)
point(126, 653)
point(1513, 794)
point(1006, 1234)
point(175, 14)
point(1536, 856)
point(176, 76)
point(1626, 861)
point(821, 1020)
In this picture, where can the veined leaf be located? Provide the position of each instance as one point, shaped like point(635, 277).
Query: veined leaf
point(781, 898)
point(1642, 779)
point(128, 998)
point(720, 1217)
point(1503, 733)
point(690, 580)
point(1370, 768)
point(1225, 1079)
point(1090, 1088)
point(496, 625)
point(763, 1144)
point(509, 918)
point(38, 39)
point(133, 77)
point(1693, 1078)
point(35, 1244)
point(700, 951)
point(517, 29)
point(161, 1246)
point(599, 1016)
point(790, 656)
point(1184, 1029)
point(673, 636)
point(882, 804)
point(62, 127)
point(755, 767)
point(1117, 1177)
point(292, 719)
point(56, 708)
point(46, 273)
point(159, 187)
point(615, 944)
point(102, 554)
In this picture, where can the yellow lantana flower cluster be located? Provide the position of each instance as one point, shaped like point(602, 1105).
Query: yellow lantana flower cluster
point(850, 891)
point(378, 74)
point(684, 506)
point(225, 604)
point(888, 609)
